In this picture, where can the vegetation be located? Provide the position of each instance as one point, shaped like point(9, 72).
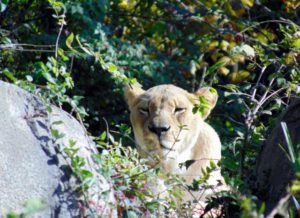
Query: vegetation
point(77, 54)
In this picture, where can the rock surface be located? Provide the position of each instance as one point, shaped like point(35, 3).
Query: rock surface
point(31, 162)
point(274, 171)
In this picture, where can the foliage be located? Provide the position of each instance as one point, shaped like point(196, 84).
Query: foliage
point(132, 180)
point(77, 54)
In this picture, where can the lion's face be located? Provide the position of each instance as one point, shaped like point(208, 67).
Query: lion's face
point(162, 120)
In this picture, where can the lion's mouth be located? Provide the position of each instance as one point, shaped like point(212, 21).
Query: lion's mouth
point(166, 148)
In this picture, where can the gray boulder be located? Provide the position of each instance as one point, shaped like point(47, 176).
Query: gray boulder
point(33, 164)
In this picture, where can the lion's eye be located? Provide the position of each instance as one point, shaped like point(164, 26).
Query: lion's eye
point(144, 111)
point(180, 110)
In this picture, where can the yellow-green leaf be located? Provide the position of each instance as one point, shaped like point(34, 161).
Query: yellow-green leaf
point(224, 61)
point(9, 75)
point(296, 43)
point(247, 3)
point(289, 58)
point(239, 76)
point(224, 71)
point(112, 68)
point(82, 47)
point(70, 40)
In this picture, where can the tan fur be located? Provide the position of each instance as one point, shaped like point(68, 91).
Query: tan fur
point(188, 137)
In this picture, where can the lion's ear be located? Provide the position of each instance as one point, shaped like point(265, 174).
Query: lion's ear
point(210, 96)
point(131, 93)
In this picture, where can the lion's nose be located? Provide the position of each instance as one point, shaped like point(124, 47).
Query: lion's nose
point(158, 130)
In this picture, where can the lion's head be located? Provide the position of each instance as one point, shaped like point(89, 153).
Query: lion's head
point(162, 119)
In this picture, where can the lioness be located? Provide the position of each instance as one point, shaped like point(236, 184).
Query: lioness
point(165, 126)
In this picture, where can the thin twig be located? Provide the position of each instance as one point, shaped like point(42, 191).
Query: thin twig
point(268, 21)
point(24, 44)
point(257, 82)
point(71, 66)
point(28, 50)
point(263, 98)
point(57, 39)
point(123, 135)
point(271, 95)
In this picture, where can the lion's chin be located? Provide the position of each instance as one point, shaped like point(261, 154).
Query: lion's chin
point(168, 151)
point(163, 149)
point(163, 154)
point(167, 145)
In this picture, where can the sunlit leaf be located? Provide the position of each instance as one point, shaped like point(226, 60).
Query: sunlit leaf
point(224, 45)
point(224, 71)
point(86, 50)
point(239, 76)
point(70, 40)
point(213, 45)
point(238, 58)
point(290, 58)
point(127, 4)
point(9, 75)
point(224, 61)
point(248, 3)
point(112, 68)
point(48, 77)
point(244, 49)
point(214, 67)
point(296, 43)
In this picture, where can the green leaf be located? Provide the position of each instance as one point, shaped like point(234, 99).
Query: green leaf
point(72, 142)
point(212, 165)
point(69, 41)
point(42, 66)
point(214, 67)
point(213, 91)
point(59, 122)
point(281, 81)
point(231, 87)
point(103, 136)
point(48, 77)
point(82, 47)
point(12, 214)
point(85, 174)
point(56, 134)
point(296, 43)
point(239, 76)
point(61, 53)
point(9, 75)
point(112, 68)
